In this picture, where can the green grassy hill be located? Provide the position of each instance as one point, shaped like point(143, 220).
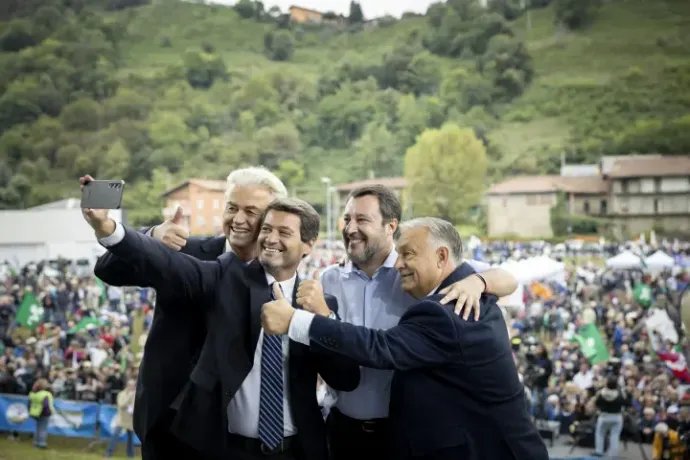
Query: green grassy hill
point(182, 89)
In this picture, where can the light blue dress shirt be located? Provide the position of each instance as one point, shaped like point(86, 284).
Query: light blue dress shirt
point(377, 303)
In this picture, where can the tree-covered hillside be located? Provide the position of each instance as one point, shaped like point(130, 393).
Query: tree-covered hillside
point(153, 92)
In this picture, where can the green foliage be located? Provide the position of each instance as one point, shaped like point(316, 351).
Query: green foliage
point(279, 45)
point(173, 90)
point(433, 165)
point(575, 14)
point(356, 15)
point(563, 223)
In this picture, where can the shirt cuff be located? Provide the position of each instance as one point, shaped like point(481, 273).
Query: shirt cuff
point(117, 236)
point(149, 232)
point(299, 326)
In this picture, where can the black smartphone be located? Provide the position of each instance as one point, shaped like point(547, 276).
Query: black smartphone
point(102, 194)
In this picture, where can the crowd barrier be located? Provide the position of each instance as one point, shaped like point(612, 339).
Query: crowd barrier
point(75, 419)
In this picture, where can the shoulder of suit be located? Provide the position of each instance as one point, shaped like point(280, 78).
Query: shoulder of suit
point(429, 306)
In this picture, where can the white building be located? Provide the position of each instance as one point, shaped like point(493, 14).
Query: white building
point(48, 232)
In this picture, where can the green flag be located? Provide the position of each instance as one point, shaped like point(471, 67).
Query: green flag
point(104, 294)
point(591, 344)
point(643, 295)
point(30, 312)
point(86, 323)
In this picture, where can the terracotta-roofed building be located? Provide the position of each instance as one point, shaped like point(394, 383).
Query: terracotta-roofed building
point(202, 202)
point(650, 192)
point(636, 193)
point(522, 205)
point(302, 15)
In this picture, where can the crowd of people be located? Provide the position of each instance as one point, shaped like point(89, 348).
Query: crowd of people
point(88, 342)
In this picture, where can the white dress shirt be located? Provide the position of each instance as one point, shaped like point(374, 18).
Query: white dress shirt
point(243, 409)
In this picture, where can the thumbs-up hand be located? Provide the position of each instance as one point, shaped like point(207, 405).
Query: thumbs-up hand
point(310, 296)
point(171, 233)
point(276, 314)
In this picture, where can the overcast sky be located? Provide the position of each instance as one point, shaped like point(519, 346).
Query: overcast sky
point(371, 8)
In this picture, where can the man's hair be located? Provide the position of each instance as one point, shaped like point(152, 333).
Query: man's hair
point(310, 221)
point(255, 175)
point(441, 233)
point(388, 202)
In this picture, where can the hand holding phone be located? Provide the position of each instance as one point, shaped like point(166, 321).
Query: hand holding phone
point(97, 198)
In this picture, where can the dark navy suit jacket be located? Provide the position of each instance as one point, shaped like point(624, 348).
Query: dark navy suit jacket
point(455, 392)
point(229, 296)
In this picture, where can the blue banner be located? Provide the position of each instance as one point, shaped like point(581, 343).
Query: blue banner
point(76, 419)
point(14, 414)
point(106, 418)
point(72, 418)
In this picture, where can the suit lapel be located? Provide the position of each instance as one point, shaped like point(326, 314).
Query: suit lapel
point(259, 294)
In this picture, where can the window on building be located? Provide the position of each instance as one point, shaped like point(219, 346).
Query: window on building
point(216, 204)
point(657, 206)
point(532, 200)
point(217, 221)
point(657, 184)
point(200, 220)
point(200, 204)
point(585, 207)
point(604, 207)
point(624, 186)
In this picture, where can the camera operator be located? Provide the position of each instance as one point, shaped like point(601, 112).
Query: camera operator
point(667, 444)
point(541, 369)
point(610, 401)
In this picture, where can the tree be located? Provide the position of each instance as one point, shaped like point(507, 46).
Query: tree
point(356, 15)
point(575, 14)
point(280, 45)
point(377, 152)
point(446, 170)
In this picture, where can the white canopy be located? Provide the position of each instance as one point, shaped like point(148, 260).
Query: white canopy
point(626, 260)
point(659, 260)
point(540, 268)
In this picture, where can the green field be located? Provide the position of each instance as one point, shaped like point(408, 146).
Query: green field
point(58, 448)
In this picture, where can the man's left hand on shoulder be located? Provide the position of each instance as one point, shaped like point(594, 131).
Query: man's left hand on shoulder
point(467, 293)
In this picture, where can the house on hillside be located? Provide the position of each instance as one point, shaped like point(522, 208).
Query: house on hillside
point(202, 203)
point(304, 15)
point(635, 193)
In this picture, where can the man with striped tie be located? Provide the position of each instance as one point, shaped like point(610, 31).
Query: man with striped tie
point(250, 395)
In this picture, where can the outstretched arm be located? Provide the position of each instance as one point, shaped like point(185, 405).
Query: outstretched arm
point(165, 268)
point(425, 337)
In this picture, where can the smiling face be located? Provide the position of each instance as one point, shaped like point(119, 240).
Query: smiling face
point(365, 234)
point(243, 210)
point(422, 266)
point(280, 243)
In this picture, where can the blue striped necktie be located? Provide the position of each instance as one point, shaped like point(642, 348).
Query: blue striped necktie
point(271, 399)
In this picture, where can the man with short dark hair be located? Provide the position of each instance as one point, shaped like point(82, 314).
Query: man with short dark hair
point(249, 395)
point(369, 292)
point(455, 391)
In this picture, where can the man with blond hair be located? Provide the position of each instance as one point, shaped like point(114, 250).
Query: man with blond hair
point(175, 339)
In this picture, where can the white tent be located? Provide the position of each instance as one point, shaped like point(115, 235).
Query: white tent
point(626, 260)
point(659, 261)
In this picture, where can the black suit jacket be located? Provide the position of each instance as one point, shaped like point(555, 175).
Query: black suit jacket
point(230, 295)
point(455, 383)
point(174, 340)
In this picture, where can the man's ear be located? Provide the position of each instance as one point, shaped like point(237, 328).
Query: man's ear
point(307, 247)
point(392, 226)
point(442, 256)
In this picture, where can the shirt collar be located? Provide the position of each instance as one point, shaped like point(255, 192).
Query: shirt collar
point(388, 263)
point(288, 286)
point(228, 248)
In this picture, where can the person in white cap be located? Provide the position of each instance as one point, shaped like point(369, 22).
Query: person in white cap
point(667, 444)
